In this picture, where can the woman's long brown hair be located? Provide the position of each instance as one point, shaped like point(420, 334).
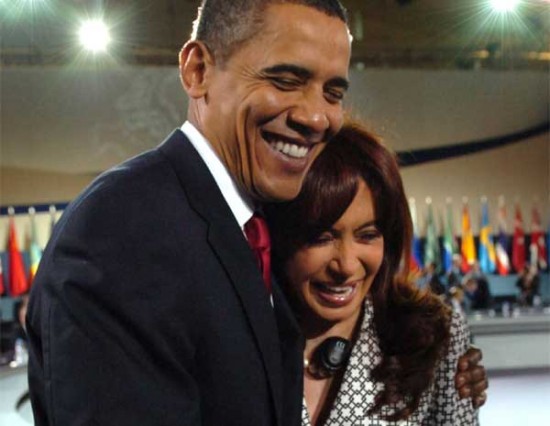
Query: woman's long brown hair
point(412, 326)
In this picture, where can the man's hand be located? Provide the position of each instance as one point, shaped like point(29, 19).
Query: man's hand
point(471, 378)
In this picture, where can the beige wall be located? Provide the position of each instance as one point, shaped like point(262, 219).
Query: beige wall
point(22, 187)
point(519, 172)
point(59, 128)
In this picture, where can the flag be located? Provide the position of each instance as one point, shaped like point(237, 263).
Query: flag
point(450, 247)
point(18, 283)
point(416, 250)
point(501, 248)
point(467, 248)
point(2, 287)
point(538, 245)
point(35, 251)
point(518, 242)
point(432, 253)
point(487, 257)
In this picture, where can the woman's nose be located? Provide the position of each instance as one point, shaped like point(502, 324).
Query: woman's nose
point(346, 260)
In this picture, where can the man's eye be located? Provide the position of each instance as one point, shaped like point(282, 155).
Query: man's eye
point(284, 83)
point(334, 95)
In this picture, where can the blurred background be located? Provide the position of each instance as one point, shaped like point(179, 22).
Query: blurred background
point(459, 89)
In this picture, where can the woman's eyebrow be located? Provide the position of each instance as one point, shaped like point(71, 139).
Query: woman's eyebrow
point(370, 223)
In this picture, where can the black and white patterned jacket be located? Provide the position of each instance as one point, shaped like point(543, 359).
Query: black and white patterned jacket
point(439, 405)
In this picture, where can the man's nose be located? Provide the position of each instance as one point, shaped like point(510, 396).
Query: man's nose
point(311, 116)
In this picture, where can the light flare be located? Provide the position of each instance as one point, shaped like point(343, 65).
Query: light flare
point(505, 6)
point(94, 35)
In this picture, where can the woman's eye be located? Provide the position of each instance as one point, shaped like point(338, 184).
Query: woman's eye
point(370, 236)
point(320, 240)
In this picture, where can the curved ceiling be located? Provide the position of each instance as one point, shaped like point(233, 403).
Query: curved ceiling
point(387, 33)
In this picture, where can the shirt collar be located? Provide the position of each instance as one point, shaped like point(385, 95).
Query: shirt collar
point(240, 203)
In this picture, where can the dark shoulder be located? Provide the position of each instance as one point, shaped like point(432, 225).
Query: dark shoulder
point(128, 196)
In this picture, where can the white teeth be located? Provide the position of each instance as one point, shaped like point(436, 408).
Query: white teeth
point(295, 151)
point(291, 150)
point(343, 291)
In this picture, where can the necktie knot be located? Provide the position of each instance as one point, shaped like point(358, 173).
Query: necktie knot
point(257, 234)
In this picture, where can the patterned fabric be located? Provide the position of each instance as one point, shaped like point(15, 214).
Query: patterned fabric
point(439, 405)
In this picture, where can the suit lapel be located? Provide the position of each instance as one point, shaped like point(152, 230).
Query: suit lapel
point(228, 242)
point(292, 350)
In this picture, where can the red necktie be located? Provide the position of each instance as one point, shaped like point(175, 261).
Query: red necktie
point(257, 234)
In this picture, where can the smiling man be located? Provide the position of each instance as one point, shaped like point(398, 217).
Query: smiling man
point(149, 307)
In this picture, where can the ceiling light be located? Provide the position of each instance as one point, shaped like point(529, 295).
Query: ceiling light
point(94, 35)
point(504, 5)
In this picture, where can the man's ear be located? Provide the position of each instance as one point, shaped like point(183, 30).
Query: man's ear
point(195, 66)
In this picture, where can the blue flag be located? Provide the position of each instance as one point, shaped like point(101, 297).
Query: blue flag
point(416, 249)
point(487, 257)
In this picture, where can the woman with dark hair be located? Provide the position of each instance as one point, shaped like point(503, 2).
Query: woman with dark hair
point(378, 350)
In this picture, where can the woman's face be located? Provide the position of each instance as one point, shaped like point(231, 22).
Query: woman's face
point(332, 275)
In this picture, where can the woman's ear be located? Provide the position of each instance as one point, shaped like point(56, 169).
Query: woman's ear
point(195, 62)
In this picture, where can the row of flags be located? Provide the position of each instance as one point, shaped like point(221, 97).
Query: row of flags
point(501, 253)
point(19, 278)
point(492, 252)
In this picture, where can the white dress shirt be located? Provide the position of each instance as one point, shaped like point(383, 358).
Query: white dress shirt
point(240, 204)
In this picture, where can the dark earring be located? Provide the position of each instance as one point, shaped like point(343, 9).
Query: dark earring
point(330, 357)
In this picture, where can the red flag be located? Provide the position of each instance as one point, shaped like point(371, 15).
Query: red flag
point(2, 288)
point(18, 282)
point(538, 245)
point(518, 242)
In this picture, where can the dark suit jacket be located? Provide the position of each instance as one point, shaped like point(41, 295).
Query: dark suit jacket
point(149, 309)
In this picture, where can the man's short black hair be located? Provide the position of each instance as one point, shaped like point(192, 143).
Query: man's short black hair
point(224, 25)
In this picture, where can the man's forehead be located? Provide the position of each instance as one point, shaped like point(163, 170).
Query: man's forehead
point(291, 18)
point(292, 43)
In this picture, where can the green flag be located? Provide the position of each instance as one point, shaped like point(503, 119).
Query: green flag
point(431, 252)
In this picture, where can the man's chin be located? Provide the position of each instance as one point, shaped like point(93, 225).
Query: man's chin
point(277, 193)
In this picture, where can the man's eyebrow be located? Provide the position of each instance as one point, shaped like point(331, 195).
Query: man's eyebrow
point(338, 82)
point(298, 71)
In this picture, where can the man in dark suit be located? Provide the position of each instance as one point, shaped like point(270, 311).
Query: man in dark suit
point(149, 307)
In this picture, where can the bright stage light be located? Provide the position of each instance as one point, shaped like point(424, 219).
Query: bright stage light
point(94, 35)
point(505, 5)
point(17, 8)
